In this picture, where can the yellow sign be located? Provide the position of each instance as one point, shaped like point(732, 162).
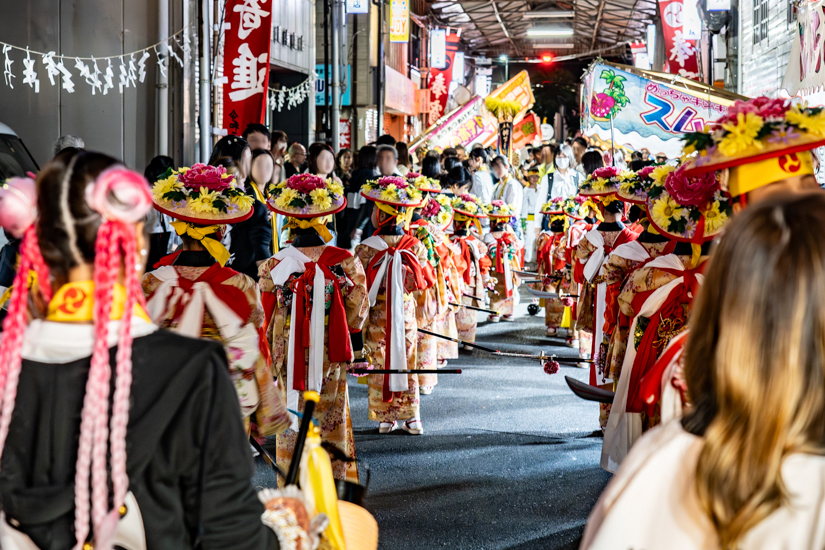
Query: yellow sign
point(516, 89)
point(400, 21)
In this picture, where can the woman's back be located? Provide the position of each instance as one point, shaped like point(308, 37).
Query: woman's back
point(188, 458)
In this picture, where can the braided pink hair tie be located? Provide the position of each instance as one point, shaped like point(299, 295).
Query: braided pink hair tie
point(120, 194)
point(18, 205)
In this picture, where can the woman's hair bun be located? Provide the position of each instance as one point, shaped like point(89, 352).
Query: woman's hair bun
point(18, 205)
point(120, 194)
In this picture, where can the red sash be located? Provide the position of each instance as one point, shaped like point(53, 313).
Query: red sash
point(502, 245)
point(340, 349)
point(673, 310)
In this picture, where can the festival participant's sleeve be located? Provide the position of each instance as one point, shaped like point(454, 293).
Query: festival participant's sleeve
point(357, 302)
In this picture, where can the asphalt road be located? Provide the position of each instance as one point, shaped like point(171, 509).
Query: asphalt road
point(508, 460)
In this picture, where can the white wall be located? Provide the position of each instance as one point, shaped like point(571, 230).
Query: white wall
point(297, 16)
point(763, 64)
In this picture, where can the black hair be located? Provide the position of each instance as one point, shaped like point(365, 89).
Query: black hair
point(368, 157)
point(66, 225)
point(157, 167)
point(386, 139)
point(635, 213)
point(314, 152)
point(403, 153)
point(450, 163)
point(431, 167)
point(500, 158)
point(479, 154)
point(637, 164)
point(229, 146)
point(449, 152)
point(581, 141)
point(458, 175)
point(615, 207)
point(592, 161)
point(254, 127)
point(277, 135)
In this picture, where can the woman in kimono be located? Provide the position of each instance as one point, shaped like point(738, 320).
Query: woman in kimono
point(395, 264)
point(100, 408)
point(550, 259)
point(504, 251)
point(196, 295)
point(315, 285)
point(474, 263)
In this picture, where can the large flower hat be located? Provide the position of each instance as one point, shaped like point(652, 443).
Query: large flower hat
point(202, 195)
point(423, 183)
point(438, 211)
point(634, 190)
point(572, 207)
point(762, 140)
point(306, 196)
point(392, 190)
point(500, 209)
point(605, 181)
point(469, 205)
point(689, 209)
point(554, 206)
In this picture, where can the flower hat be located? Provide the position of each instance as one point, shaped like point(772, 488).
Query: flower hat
point(306, 196)
point(605, 181)
point(500, 209)
point(762, 140)
point(392, 190)
point(469, 205)
point(634, 190)
point(423, 183)
point(554, 206)
point(438, 211)
point(202, 195)
point(689, 209)
point(572, 207)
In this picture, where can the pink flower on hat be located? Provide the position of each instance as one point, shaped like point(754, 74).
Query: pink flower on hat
point(211, 177)
point(305, 183)
point(606, 172)
point(693, 191)
point(646, 171)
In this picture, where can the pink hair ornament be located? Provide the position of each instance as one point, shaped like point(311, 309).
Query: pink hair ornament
point(120, 194)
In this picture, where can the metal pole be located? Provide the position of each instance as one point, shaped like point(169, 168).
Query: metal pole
point(381, 73)
point(327, 103)
point(335, 120)
point(163, 82)
point(506, 70)
point(205, 85)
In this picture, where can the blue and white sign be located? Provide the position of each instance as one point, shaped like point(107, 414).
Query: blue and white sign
point(358, 6)
point(438, 48)
point(320, 96)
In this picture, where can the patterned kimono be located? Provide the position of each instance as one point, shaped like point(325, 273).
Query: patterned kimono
point(386, 405)
point(473, 268)
point(253, 383)
point(332, 411)
point(504, 251)
point(551, 261)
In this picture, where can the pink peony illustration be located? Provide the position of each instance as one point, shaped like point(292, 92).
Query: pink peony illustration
point(211, 177)
point(601, 105)
point(693, 191)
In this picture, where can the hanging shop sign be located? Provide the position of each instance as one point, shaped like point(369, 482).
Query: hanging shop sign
point(805, 75)
point(466, 125)
point(681, 53)
point(246, 62)
point(345, 133)
point(648, 109)
point(320, 87)
point(526, 130)
point(358, 6)
point(439, 81)
point(518, 89)
point(399, 20)
point(399, 93)
point(438, 48)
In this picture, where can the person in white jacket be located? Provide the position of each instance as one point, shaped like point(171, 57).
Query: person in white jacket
point(562, 183)
point(482, 186)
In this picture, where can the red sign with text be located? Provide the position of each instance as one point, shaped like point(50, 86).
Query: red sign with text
point(439, 83)
point(680, 53)
point(246, 62)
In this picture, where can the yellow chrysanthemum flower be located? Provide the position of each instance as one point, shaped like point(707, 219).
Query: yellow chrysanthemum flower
point(163, 186)
point(204, 202)
point(626, 174)
point(626, 186)
point(665, 209)
point(714, 218)
point(660, 173)
point(470, 207)
point(286, 197)
point(321, 198)
point(813, 123)
point(243, 201)
point(598, 184)
point(335, 188)
point(741, 135)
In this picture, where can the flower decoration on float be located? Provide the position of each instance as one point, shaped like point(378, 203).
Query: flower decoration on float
point(423, 183)
point(307, 196)
point(690, 209)
point(438, 211)
point(761, 140)
point(392, 190)
point(202, 194)
point(499, 209)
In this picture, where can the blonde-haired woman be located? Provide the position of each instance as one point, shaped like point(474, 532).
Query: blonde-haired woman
point(745, 468)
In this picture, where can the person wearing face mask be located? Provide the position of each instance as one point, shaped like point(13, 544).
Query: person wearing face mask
point(562, 183)
point(278, 150)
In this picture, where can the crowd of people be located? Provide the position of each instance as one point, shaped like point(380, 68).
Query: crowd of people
point(193, 310)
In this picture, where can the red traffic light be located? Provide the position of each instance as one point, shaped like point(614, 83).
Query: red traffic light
point(547, 58)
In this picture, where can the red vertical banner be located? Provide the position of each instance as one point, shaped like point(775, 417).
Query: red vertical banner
point(439, 82)
point(680, 53)
point(246, 62)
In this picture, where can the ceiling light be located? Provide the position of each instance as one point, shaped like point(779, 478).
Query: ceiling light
point(502, 58)
point(549, 14)
point(550, 32)
point(551, 46)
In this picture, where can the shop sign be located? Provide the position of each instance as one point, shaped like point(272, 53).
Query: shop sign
point(399, 20)
point(399, 92)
